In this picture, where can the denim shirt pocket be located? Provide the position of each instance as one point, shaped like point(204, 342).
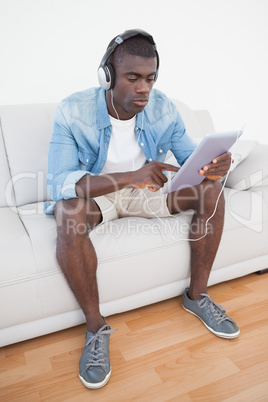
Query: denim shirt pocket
point(86, 159)
point(162, 150)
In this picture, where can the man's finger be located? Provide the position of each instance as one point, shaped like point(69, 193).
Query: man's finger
point(217, 164)
point(224, 157)
point(167, 166)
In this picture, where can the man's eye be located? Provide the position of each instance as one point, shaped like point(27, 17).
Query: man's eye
point(132, 79)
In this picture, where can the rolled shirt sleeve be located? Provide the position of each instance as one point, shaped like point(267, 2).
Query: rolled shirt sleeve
point(68, 188)
point(63, 162)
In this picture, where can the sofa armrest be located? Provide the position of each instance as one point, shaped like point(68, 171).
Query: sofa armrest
point(252, 171)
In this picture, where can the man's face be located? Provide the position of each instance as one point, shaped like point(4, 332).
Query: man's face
point(134, 80)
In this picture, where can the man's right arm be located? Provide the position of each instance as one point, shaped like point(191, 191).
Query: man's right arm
point(151, 175)
point(63, 161)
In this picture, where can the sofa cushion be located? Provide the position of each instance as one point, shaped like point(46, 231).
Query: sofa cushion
point(252, 171)
point(16, 257)
point(27, 131)
point(240, 151)
point(129, 249)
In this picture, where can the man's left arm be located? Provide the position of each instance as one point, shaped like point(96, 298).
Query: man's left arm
point(218, 167)
point(183, 146)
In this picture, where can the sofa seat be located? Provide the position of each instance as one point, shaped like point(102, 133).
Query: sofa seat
point(126, 248)
point(141, 261)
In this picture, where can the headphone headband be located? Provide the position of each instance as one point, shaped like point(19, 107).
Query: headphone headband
point(106, 71)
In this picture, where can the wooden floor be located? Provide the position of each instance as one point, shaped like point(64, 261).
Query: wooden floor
point(159, 353)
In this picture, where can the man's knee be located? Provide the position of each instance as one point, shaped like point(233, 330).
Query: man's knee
point(77, 215)
point(211, 195)
point(201, 198)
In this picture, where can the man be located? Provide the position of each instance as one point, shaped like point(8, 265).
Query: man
point(109, 145)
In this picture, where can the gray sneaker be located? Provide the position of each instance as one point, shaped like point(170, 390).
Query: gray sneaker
point(94, 365)
point(212, 315)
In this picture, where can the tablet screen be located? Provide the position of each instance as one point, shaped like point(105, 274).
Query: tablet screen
point(211, 146)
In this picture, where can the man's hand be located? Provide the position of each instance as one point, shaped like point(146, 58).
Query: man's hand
point(218, 168)
point(151, 176)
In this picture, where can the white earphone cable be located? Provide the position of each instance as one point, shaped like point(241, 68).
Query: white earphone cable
point(112, 101)
point(147, 199)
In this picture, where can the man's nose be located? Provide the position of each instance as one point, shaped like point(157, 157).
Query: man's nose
point(143, 87)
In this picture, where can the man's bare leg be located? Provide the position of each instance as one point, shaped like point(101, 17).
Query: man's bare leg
point(202, 199)
point(76, 254)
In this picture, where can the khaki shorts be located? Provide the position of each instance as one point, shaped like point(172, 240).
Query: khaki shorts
point(133, 202)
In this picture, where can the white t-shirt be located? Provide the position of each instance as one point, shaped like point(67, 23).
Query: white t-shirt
point(124, 153)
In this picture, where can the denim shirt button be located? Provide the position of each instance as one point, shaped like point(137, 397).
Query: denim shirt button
point(150, 159)
point(142, 144)
point(160, 150)
point(87, 160)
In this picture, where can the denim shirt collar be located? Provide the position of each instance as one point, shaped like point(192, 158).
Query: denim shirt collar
point(103, 119)
point(140, 122)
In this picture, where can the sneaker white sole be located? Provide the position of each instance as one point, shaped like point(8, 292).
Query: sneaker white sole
point(220, 334)
point(96, 385)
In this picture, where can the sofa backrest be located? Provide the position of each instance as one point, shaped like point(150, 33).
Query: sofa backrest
point(6, 186)
point(197, 122)
point(27, 131)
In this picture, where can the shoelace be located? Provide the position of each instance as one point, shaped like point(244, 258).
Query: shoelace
point(96, 354)
point(216, 309)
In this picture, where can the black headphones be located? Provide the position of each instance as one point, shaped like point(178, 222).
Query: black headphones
point(106, 74)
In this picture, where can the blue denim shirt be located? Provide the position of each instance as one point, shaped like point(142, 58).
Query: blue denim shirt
point(82, 131)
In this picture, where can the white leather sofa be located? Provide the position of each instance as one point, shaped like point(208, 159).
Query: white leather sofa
point(139, 261)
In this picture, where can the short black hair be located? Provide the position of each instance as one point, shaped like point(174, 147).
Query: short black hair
point(135, 46)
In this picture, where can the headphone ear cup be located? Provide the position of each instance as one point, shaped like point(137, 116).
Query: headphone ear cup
point(104, 78)
point(112, 75)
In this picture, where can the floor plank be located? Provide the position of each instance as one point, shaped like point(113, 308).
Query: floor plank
point(159, 353)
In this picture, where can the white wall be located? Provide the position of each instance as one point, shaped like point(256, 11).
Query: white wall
point(213, 53)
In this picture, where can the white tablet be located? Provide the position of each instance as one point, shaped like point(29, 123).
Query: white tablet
point(211, 146)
